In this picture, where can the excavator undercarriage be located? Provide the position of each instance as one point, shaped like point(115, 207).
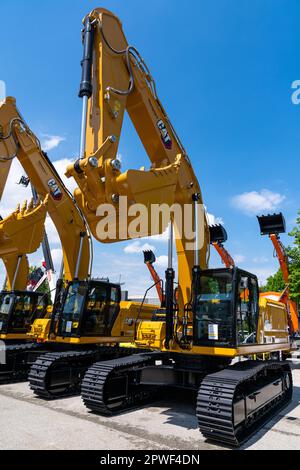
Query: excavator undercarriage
point(232, 402)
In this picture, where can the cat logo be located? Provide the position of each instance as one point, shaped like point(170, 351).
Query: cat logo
point(167, 141)
point(55, 190)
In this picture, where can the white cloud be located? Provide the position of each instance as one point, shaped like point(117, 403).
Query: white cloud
point(262, 273)
point(254, 202)
point(137, 247)
point(50, 142)
point(56, 254)
point(51, 231)
point(213, 220)
point(239, 258)
point(163, 237)
point(13, 193)
point(162, 261)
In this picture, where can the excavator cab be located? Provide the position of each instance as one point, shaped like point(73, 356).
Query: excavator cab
point(225, 308)
point(18, 310)
point(89, 309)
point(270, 224)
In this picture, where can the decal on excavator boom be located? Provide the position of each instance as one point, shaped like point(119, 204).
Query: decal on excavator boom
point(54, 190)
point(167, 141)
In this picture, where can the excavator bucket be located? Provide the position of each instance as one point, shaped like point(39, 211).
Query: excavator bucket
point(149, 257)
point(271, 224)
point(217, 234)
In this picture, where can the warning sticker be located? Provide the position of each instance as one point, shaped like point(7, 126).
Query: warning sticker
point(213, 331)
point(69, 327)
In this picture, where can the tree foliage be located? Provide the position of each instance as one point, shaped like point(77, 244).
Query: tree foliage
point(294, 256)
point(274, 283)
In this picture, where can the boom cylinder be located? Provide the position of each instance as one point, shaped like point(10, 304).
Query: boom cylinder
point(86, 87)
point(196, 198)
point(82, 235)
point(169, 294)
point(16, 272)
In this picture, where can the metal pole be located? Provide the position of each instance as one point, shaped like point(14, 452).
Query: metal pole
point(61, 271)
point(83, 126)
point(82, 235)
point(170, 246)
point(16, 272)
point(45, 241)
point(196, 228)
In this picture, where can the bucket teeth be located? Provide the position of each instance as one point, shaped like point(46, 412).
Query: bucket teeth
point(30, 206)
point(24, 208)
point(271, 223)
point(23, 230)
point(149, 257)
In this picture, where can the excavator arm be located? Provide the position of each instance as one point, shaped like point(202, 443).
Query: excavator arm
point(115, 80)
point(273, 225)
point(218, 236)
point(149, 260)
point(19, 141)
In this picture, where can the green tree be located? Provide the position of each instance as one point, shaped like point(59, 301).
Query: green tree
point(294, 256)
point(274, 283)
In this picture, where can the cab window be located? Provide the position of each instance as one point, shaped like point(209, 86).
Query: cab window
point(101, 308)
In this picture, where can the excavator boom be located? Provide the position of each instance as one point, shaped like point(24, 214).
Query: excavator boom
point(115, 80)
point(69, 222)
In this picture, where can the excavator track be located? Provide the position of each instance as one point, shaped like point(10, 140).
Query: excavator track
point(110, 387)
point(234, 403)
point(59, 374)
point(19, 359)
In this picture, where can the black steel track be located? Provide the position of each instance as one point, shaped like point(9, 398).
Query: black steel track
point(113, 386)
point(106, 387)
point(17, 363)
point(59, 374)
point(220, 391)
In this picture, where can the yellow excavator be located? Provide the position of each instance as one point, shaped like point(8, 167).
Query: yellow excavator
point(273, 225)
point(217, 236)
point(217, 316)
point(88, 320)
point(20, 234)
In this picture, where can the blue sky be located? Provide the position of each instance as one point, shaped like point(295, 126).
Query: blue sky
point(223, 69)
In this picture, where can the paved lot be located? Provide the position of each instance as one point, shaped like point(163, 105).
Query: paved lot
point(29, 423)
